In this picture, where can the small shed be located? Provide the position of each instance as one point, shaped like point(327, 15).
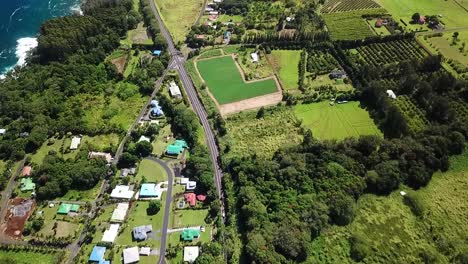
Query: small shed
point(2, 131)
point(227, 35)
point(143, 138)
point(145, 251)
point(174, 90)
point(75, 142)
point(74, 208)
point(254, 57)
point(157, 53)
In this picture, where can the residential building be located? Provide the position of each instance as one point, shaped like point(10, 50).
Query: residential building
point(131, 255)
point(190, 254)
point(122, 192)
point(190, 234)
point(140, 233)
point(26, 171)
point(100, 155)
point(191, 199)
point(150, 190)
point(75, 142)
point(143, 138)
point(97, 255)
point(391, 94)
point(111, 233)
point(145, 251)
point(174, 90)
point(254, 56)
point(2, 131)
point(119, 213)
point(27, 184)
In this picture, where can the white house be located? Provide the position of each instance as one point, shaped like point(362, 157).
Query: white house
point(119, 213)
point(191, 185)
point(2, 131)
point(254, 57)
point(75, 142)
point(213, 13)
point(391, 94)
point(174, 90)
point(143, 138)
point(122, 192)
point(190, 254)
point(110, 234)
point(131, 255)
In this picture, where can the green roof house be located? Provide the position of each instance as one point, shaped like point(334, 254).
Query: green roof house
point(190, 234)
point(74, 208)
point(176, 148)
point(27, 184)
point(64, 208)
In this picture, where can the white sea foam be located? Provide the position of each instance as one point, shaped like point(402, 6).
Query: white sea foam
point(76, 9)
point(23, 46)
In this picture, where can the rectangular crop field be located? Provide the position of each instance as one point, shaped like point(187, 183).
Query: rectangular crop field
point(287, 63)
point(333, 6)
point(452, 14)
point(226, 83)
point(414, 116)
point(350, 25)
point(451, 50)
point(336, 122)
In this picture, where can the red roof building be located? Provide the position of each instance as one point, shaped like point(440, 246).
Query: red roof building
point(378, 23)
point(422, 19)
point(26, 171)
point(201, 197)
point(190, 198)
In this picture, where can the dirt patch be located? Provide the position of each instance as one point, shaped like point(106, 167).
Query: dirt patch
point(252, 103)
point(19, 210)
point(140, 34)
point(120, 63)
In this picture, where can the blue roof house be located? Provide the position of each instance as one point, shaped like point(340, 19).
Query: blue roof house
point(157, 111)
point(157, 52)
point(97, 255)
point(154, 103)
point(149, 190)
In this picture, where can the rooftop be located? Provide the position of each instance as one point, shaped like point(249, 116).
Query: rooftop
point(190, 254)
point(111, 233)
point(190, 234)
point(140, 232)
point(130, 255)
point(150, 190)
point(75, 142)
point(27, 184)
point(26, 171)
point(97, 255)
point(122, 192)
point(120, 212)
point(64, 208)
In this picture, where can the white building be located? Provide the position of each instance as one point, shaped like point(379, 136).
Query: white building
point(110, 234)
point(119, 213)
point(391, 94)
point(75, 142)
point(254, 57)
point(131, 255)
point(100, 155)
point(143, 138)
point(190, 254)
point(2, 131)
point(191, 185)
point(174, 90)
point(122, 192)
point(145, 251)
point(183, 181)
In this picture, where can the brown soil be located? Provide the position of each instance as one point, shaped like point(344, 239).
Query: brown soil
point(14, 224)
point(120, 63)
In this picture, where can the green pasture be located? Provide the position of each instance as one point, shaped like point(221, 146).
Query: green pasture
point(152, 171)
point(189, 217)
point(336, 122)
point(395, 234)
point(324, 80)
point(231, 49)
point(226, 84)
point(450, 49)
point(287, 63)
point(452, 14)
point(23, 256)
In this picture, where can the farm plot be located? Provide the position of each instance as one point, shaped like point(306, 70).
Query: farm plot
point(333, 6)
point(461, 110)
point(286, 63)
point(350, 25)
point(336, 122)
point(261, 136)
point(319, 62)
point(414, 116)
point(388, 52)
point(451, 49)
point(225, 82)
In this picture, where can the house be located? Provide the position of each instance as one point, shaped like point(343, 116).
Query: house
point(119, 213)
point(157, 52)
point(131, 255)
point(254, 57)
point(64, 208)
point(190, 186)
point(227, 35)
point(97, 255)
point(140, 233)
point(289, 19)
point(190, 198)
point(201, 197)
point(150, 190)
point(26, 171)
point(2, 131)
point(337, 74)
point(154, 103)
point(156, 111)
point(111, 233)
point(213, 13)
point(198, 36)
point(143, 138)
point(74, 208)
point(122, 192)
point(190, 234)
point(378, 23)
point(391, 94)
point(75, 142)
point(100, 155)
point(217, 1)
point(24, 134)
point(145, 251)
point(174, 90)
point(422, 20)
point(176, 148)
point(125, 172)
point(190, 254)
point(27, 184)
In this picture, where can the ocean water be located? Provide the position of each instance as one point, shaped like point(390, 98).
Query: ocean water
point(20, 21)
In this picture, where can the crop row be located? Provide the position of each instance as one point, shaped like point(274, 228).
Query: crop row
point(320, 62)
point(390, 52)
point(414, 116)
point(461, 110)
point(333, 6)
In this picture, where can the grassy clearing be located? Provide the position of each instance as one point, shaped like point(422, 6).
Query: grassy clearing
point(286, 63)
point(152, 171)
point(336, 122)
point(159, 143)
point(231, 49)
point(450, 49)
point(395, 234)
point(324, 80)
point(226, 84)
point(26, 256)
point(132, 63)
point(350, 25)
point(179, 16)
point(184, 218)
point(101, 142)
point(210, 53)
point(82, 195)
point(248, 135)
point(138, 35)
point(59, 145)
point(452, 14)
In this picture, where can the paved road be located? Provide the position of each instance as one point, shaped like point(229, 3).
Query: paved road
point(179, 61)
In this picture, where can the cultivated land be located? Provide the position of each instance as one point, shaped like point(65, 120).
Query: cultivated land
point(336, 122)
point(333, 6)
point(350, 25)
point(450, 49)
point(286, 62)
point(226, 83)
point(389, 226)
point(452, 14)
point(179, 15)
point(20, 256)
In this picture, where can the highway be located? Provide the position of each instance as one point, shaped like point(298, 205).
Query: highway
point(178, 63)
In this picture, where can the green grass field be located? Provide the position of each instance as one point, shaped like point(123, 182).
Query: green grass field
point(226, 84)
point(451, 50)
point(395, 234)
point(452, 14)
point(179, 16)
point(184, 218)
point(287, 63)
point(27, 257)
point(350, 25)
point(152, 171)
point(336, 122)
point(210, 53)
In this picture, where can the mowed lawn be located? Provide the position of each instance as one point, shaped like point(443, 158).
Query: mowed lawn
point(336, 122)
point(287, 63)
point(152, 171)
point(179, 15)
point(452, 14)
point(226, 84)
point(448, 50)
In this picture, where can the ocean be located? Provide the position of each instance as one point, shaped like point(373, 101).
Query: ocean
point(19, 24)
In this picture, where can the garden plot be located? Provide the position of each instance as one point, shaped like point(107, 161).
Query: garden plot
point(333, 6)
